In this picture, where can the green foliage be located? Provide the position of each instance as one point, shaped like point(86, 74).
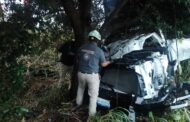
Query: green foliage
point(120, 115)
point(18, 77)
point(26, 30)
point(147, 16)
point(9, 111)
point(179, 115)
point(115, 115)
point(13, 44)
point(184, 76)
point(14, 82)
point(153, 118)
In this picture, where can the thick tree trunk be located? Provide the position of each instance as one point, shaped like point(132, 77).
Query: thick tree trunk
point(85, 12)
point(80, 18)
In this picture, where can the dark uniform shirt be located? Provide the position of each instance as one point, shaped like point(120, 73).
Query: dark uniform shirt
point(67, 53)
point(90, 57)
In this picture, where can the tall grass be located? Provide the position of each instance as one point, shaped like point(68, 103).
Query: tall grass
point(121, 115)
point(114, 115)
point(179, 115)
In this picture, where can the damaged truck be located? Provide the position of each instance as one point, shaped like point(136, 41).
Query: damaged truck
point(143, 74)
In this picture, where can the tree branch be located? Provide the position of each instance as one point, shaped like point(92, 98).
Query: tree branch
point(119, 25)
point(124, 24)
point(111, 17)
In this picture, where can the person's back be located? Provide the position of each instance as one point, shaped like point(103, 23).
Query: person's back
point(91, 57)
point(67, 51)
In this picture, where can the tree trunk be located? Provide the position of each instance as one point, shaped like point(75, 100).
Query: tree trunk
point(80, 18)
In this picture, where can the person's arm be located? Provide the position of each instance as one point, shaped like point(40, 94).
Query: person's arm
point(103, 61)
point(106, 63)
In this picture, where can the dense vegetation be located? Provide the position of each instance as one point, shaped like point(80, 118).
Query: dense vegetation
point(29, 33)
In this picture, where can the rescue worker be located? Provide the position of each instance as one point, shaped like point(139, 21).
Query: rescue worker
point(90, 58)
point(65, 65)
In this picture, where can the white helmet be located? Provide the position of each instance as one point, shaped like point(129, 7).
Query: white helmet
point(95, 34)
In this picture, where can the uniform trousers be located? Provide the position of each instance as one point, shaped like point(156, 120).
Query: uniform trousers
point(63, 70)
point(93, 82)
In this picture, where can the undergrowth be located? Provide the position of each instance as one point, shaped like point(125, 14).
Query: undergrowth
point(114, 115)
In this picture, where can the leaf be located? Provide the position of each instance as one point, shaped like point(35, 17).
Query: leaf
point(21, 110)
point(24, 109)
point(176, 117)
point(5, 111)
point(29, 31)
point(151, 116)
